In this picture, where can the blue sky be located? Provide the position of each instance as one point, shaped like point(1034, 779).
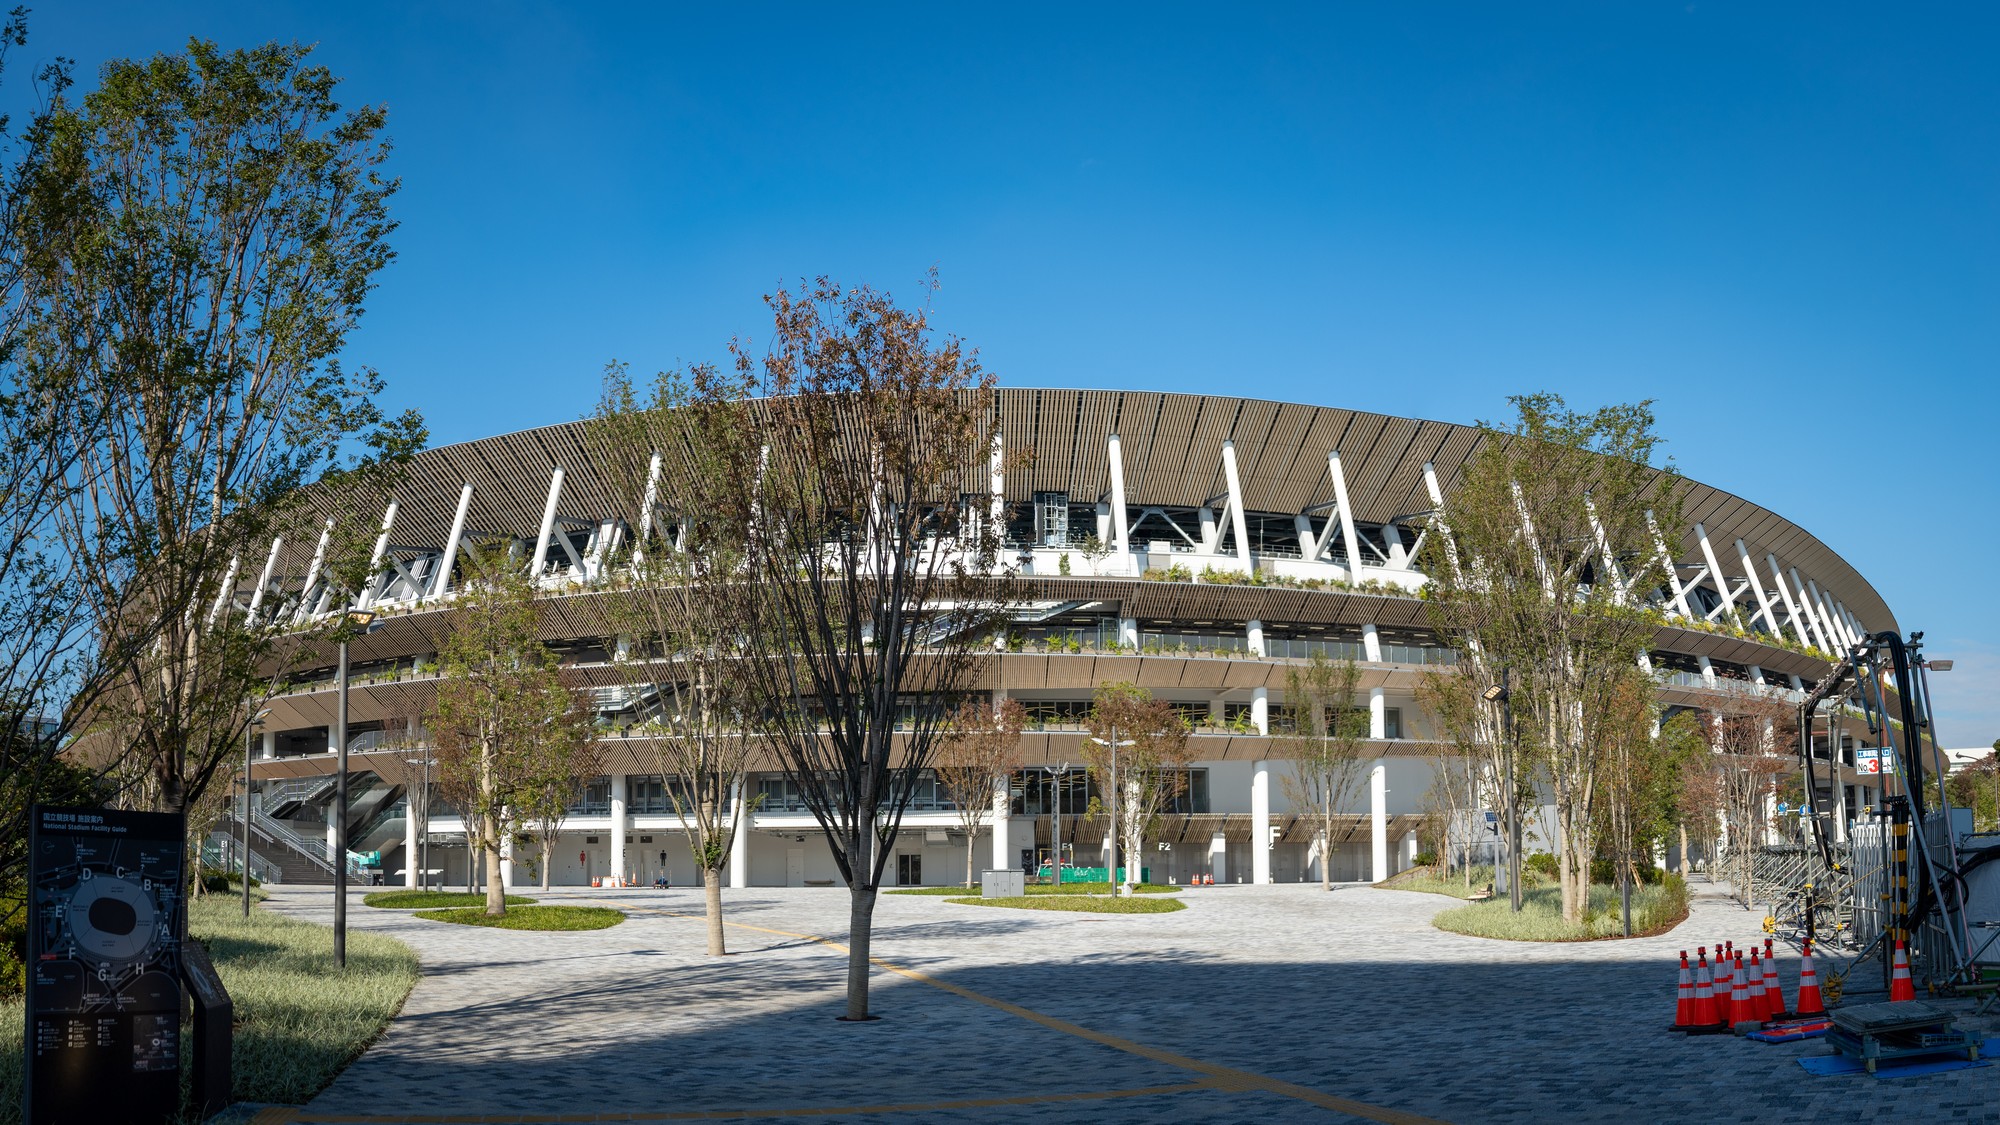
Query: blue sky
point(1783, 223)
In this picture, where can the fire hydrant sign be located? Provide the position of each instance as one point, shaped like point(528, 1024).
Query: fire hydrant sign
point(106, 893)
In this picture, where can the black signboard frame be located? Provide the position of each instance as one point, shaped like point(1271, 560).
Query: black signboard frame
point(107, 901)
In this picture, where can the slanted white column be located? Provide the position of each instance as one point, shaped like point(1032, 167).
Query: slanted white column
point(548, 525)
point(228, 590)
point(739, 840)
point(1666, 557)
point(1120, 527)
point(1707, 670)
point(1218, 858)
point(1371, 644)
point(1260, 822)
point(1236, 518)
point(1348, 536)
point(1255, 631)
point(1792, 613)
point(1443, 527)
point(1002, 814)
point(1399, 552)
point(1722, 591)
point(308, 605)
point(264, 579)
point(411, 851)
point(1128, 632)
point(647, 503)
point(1822, 636)
point(618, 826)
point(1378, 820)
point(1757, 588)
point(367, 597)
point(441, 581)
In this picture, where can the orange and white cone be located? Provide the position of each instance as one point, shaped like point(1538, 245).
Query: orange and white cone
point(1809, 1003)
point(1759, 1010)
point(1901, 987)
point(1774, 990)
point(1684, 1013)
point(1740, 1010)
point(1725, 984)
point(1705, 1013)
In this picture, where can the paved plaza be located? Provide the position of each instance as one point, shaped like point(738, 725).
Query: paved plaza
point(1256, 1004)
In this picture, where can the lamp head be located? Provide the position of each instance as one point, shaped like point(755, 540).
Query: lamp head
point(1494, 694)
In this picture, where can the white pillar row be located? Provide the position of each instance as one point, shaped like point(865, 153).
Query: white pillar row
point(1371, 644)
point(411, 851)
point(367, 597)
point(1236, 517)
point(1826, 617)
point(548, 525)
point(441, 581)
point(1792, 613)
point(1378, 820)
point(1218, 857)
point(1822, 637)
point(1349, 538)
point(741, 823)
point(1121, 528)
point(1757, 588)
point(1715, 572)
point(1260, 822)
point(618, 823)
point(1002, 812)
point(1255, 637)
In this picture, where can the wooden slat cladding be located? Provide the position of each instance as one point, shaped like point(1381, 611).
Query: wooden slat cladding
point(1171, 446)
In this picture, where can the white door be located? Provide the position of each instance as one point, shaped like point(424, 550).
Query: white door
point(795, 867)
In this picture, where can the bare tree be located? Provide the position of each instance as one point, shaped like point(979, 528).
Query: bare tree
point(981, 749)
point(1746, 726)
point(869, 599)
point(1138, 756)
point(562, 757)
point(1326, 732)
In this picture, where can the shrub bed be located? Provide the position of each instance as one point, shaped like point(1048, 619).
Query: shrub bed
point(1655, 909)
point(418, 900)
point(1084, 904)
point(531, 917)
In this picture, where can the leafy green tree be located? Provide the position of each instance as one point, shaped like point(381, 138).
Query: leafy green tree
point(1549, 552)
point(1138, 755)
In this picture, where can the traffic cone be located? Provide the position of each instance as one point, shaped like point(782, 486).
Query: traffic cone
point(1901, 987)
point(1760, 1011)
point(1740, 1010)
point(1809, 1003)
point(1774, 991)
point(1725, 981)
point(1684, 1014)
point(1705, 1014)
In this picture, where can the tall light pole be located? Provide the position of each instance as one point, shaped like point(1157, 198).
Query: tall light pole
point(357, 623)
point(1114, 742)
point(422, 794)
point(1056, 775)
point(249, 734)
point(1501, 694)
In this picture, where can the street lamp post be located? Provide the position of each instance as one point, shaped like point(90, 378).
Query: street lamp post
point(1501, 693)
point(358, 622)
point(1111, 806)
point(1056, 775)
point(249, 735)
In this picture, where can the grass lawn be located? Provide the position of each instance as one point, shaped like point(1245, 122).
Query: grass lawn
point(417, 900)
point(1042, 889)
point(532, 917)
point(1430, 881)
point(1654, 910)
point(299, 1021)
point(1085, 904)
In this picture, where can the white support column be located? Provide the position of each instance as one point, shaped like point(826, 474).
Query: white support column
point(1121, 528)
point(1408, 858)
point(441, 581)
point(996, 483)
point(1443, 527)
point(1821, 632)
point(1236, 517)
point(307, 607)
point(1128, 632)
point(646, 506)
point(332, 833)
point(411, 850)
point(1002, 817)
point(1378, 820)
point(1854, 628)
point(1218, 858)
point(739, 841)
point(1792, 613)
point(1260, 822)
point(1674, 586)
point(1350, 538)
point(618, 826)
point(1399, 552)
point(228, 589)
point(264, 579)
point(1255, 637)
point(1707, 670)
point(1371, 643)
point(1715, 571)
point(367, 597)
point(507, 863)
point(270, 744)
point(1260, 710)
point(548, 525)
point(1378, 714)
point(1757, 588)
point(1826, 617)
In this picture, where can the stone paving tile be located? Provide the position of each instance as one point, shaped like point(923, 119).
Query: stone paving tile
point(1351, 993)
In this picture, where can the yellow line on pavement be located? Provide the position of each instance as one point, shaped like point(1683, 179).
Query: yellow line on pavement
point(1219, 1076)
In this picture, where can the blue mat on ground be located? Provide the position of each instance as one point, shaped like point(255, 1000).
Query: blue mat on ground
point(1841, 1064)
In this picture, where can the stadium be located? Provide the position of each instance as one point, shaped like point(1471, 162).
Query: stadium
point(1199, 546)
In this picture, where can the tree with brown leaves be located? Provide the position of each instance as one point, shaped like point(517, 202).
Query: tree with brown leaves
point(1138, 754)
point(980, 751)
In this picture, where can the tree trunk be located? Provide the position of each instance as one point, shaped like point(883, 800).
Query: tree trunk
point(548, 857)
point(971, 849)
point(711, 885)
point(496, 889)
point(860, 925)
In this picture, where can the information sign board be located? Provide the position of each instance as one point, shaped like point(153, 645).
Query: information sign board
point(106, 895)
point(1873, 760)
